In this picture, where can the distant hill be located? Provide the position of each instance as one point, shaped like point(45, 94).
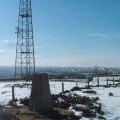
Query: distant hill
point(7, 72)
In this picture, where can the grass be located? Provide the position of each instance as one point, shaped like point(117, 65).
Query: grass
point(64, 112)
point(22, 113)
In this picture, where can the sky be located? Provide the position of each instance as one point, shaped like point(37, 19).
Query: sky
point(66, 32)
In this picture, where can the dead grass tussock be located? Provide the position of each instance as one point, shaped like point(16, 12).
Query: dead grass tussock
point(64, 112)
point(22, 113)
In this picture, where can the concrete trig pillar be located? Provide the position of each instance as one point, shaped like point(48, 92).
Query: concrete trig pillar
point(40, 100)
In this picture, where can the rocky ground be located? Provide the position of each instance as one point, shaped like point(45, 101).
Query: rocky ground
point(101, 102)
point(5, 114)
point(66, 106)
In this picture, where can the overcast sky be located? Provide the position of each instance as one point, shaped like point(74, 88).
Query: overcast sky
point(66, 32)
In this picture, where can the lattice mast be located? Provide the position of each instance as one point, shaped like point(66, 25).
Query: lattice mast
point(25, 58)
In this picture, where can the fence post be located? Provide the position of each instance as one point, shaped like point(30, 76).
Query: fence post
point(98, 81)
point(88, 83)
point(76, 84)
point(107, 81)
point(62, 86)
point(113, 81)
point(13, 93)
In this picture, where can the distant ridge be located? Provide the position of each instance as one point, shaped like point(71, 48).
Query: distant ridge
point(8, 72)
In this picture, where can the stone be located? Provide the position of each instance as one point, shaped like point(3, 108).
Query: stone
point(40, 99)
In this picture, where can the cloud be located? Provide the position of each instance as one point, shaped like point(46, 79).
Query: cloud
point(6, 41)
point(7, 51)
point(97, 35)
point(76, 13)
point(103, 35)
point(7, 45)
point(2, 51)
point(9, 41)
point(70, 12)
point(43, 46)
point(56, 60)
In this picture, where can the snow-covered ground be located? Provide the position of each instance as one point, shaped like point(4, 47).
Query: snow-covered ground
point(111, 104)
point(6, 92)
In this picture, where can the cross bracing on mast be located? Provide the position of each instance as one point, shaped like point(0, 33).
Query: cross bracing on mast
point(25, 57)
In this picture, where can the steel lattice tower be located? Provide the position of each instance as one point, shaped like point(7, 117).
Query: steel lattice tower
point(25, 58)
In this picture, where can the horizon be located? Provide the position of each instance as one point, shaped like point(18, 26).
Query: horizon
point(109, 67)
point(66, 33)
